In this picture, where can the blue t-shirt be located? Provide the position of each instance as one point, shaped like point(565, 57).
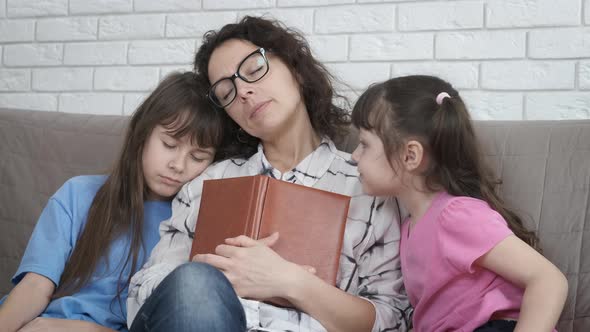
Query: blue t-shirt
point(54, 237)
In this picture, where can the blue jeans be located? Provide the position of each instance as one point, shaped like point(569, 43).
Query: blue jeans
point(194, 297)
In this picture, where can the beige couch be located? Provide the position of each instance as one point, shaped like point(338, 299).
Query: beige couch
point(545, 167)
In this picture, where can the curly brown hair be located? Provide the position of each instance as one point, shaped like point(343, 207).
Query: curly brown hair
point(290, 46)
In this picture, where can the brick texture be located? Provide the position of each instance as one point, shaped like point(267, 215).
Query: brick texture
point(517, 59)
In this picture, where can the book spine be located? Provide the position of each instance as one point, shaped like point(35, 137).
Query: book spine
point(259, 188)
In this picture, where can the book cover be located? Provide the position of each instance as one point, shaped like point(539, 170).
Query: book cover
point(311, 222)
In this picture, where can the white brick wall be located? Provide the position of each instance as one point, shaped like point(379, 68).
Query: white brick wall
point(126, 79)
point(15, 79)
point(517, 59)
point(528, 75)
point(161, 51)
point(166, 5)
point(132, 101)
point(301, 19)
point(100, 6)
point(101, 53)
point(296, 3)
point(62, 79)
point(329, 48)
point(560, 43)
point(71, 29)
point(531, 13)
point(440, 16)
point(358, 76)
point(37, 101)
point(94, 103)
point(237, 4)
point(463, 75)
point(584, 77)
point(196, 24)
point(370, 18)
point(494, 106)
point(570, 105)
point(31, 55)
point(131, 27)
point(482, 45)
point(23, 8)
point(391, 47)
point(17, 30)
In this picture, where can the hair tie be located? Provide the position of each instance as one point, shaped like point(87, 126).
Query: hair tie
point(441, 96)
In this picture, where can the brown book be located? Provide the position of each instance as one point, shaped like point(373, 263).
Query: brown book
point(310, 221)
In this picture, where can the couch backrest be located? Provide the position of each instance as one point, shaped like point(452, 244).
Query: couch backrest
point(39, 151)
point(545, 168)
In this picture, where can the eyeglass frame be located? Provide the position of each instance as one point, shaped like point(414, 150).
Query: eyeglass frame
point(237, 75)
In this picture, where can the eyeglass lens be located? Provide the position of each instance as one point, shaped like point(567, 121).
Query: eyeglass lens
point(253, 68)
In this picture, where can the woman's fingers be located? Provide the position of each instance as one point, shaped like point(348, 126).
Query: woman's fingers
point(309, 268)
point(241, 241)
point(245, 241)
point(220, 262)
point(270, 240)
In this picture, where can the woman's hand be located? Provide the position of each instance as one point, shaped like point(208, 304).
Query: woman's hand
point(253, 268)
point(42, 324)
point(257, 272)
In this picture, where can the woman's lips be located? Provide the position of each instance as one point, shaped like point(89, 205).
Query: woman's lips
point(258, 108)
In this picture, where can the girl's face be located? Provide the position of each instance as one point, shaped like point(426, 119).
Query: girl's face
point(168, 163)
point(377, 176)
point(265, 108)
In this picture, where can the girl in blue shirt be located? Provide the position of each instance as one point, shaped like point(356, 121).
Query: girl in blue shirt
point(96, 231)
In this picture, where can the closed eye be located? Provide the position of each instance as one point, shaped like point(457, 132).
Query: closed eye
point(168, 145)
point(198, 158)
point(256, 70)
point(227, 95)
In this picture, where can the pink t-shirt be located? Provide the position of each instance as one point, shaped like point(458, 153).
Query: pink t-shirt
point(447, 290)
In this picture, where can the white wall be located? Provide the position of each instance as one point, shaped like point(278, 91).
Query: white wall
point(513, 59)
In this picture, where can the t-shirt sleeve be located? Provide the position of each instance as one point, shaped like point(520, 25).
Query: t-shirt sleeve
point(50, 244)
point(469, 229)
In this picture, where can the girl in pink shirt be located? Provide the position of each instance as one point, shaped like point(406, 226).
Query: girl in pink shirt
point(469, 263)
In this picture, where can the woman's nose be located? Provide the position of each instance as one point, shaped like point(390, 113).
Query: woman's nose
point(243, 89)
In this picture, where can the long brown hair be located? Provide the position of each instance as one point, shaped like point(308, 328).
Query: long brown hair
point(177, 103)
point(291, 47)
point(406, 107)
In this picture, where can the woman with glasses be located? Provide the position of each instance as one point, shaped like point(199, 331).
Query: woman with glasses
point(279, 103)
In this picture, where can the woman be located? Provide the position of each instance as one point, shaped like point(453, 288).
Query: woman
point(279, 99)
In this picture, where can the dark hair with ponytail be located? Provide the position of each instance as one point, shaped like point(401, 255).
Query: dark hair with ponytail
point(406, 107)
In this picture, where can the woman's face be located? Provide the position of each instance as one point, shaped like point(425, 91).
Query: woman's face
point(266, 107)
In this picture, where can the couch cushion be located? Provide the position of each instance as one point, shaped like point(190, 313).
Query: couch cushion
point(39, 151)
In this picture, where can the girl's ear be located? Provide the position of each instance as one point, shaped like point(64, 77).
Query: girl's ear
point(413, 155)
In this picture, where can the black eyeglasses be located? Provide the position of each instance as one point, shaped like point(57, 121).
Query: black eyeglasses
point(251, 69)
